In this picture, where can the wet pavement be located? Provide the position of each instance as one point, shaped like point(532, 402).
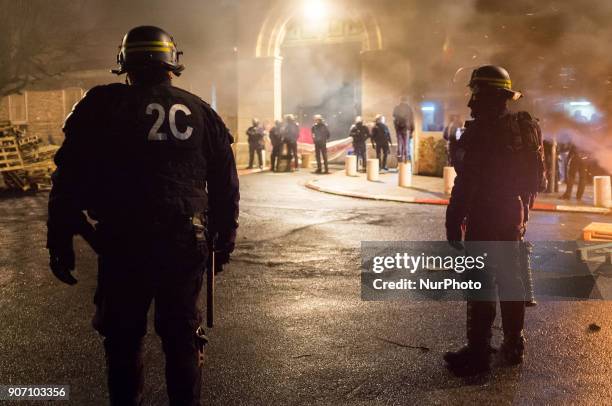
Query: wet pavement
point(291, 327)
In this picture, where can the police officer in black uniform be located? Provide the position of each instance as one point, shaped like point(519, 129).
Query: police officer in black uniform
point(359, 132)
point(276, 138)
point(500, 170)
point(255, 134)
point(320, 136)
point(381, 140)
point(291, 133)
point(152, 164)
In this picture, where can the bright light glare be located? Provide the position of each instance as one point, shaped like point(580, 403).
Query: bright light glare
point(428, 108)
point(580, 103)
point(315, 10)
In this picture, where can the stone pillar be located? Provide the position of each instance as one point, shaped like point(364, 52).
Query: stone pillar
point(259, 95)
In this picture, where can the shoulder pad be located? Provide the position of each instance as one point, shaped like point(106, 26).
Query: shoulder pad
point(525, 116)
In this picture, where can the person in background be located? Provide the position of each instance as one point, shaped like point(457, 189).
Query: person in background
point(577, 164)
point(360, 133)
point(255, 135)
point(276, 138)
point(290, 135)
point(403, 120)
point(320, 136)
point(381, 140)
point(450, 135)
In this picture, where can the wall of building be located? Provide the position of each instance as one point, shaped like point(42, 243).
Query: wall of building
point(45, 111)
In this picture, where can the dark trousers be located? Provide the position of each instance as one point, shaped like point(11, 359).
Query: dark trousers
point(276, 151)
point(382, 150)
point(255, 149)
point(403, 144)
point(576, 166)
point(505, 272)
point(292, 151)
point(131, 276)
point(321, 154)
point(360, 152)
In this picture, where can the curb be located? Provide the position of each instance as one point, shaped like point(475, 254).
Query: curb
point(243, 172)
point(408, 199)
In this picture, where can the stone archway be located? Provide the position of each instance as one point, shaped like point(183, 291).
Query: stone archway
point(259, 69)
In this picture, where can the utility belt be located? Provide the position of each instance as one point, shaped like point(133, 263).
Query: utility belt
point(153, 222)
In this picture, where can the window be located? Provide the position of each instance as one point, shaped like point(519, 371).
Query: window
point(71, 97)
point(433, 116)
point(18, 108)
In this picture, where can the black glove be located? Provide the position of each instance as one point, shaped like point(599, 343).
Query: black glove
point(221, 258)
point(61, 262)
point(454, 236)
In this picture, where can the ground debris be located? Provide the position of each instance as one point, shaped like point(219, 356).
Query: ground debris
point(416, 347)
point(594, 327)
point(302, 356)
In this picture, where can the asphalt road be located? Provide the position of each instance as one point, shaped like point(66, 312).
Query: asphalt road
point(291, 327)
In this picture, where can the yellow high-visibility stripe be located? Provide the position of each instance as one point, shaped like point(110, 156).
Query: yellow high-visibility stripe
point(506, 84)
point(152, 49)
point(148, 43)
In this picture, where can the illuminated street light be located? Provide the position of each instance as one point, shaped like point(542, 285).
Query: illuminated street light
point(315, 10)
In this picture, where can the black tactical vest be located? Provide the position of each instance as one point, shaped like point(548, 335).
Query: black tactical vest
point(504, 156)
point(147, 151)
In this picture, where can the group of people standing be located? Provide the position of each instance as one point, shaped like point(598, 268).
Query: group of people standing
point(380, 136)
point(287, 133)
point(282, 133)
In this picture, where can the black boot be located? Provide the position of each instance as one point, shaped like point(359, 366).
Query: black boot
point(469, 360)
point(183, 370)
point(512, 351)
point(513, 318)
point(475, 357)
point(125, 370)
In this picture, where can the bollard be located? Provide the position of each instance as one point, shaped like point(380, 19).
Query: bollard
point(350, 165)
point(306, 159)
point(449, 179)
point(372, 170)
point(405, 174)
point(602, 191)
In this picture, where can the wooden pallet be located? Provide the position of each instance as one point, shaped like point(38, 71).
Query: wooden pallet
point(597, 232)
point(10, 156)
point(16, 180)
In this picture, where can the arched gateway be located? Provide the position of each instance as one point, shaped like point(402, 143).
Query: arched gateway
point(272, 79)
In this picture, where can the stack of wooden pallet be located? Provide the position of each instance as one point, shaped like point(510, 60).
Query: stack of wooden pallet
point(597, 232)
point(24, 162)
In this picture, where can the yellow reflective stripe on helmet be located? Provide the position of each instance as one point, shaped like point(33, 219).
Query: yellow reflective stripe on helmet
point(151, 49)
point(496, 82)
point(148, 43)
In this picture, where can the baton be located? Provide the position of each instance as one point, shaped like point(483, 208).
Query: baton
point(210, 290)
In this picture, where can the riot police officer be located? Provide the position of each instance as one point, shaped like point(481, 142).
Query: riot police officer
point(255, 134)
point(320, 136)
point(381, 140)
point(360, 133)
point(500, 169)
point(152, 164)
point(291, 133)
point(276, 138)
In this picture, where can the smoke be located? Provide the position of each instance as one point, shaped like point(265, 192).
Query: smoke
point(555, 50)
